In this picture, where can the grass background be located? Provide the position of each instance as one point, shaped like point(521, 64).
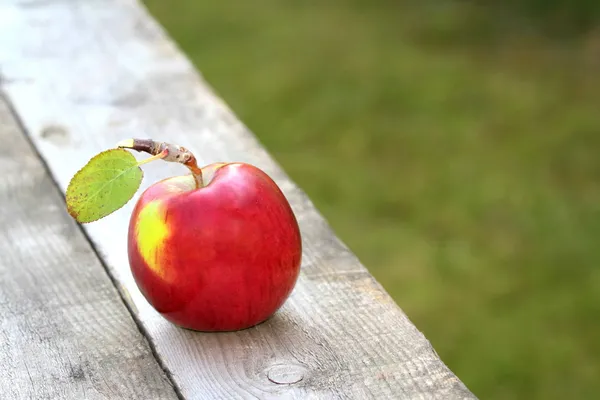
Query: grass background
point(455, 149)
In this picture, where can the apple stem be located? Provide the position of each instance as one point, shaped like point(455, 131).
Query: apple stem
point(167, 152)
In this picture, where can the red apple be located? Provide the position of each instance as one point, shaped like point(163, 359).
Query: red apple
point(220, 257)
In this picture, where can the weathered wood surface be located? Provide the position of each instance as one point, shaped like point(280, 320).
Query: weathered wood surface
point(64, 331)
point(83, 75)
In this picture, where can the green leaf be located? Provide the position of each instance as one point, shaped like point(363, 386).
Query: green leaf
point(105, 184)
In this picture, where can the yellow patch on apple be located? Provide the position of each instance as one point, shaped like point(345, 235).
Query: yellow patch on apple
point(151, 232)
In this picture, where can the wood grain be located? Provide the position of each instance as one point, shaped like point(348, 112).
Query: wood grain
point(84, 75)
point(64, 331)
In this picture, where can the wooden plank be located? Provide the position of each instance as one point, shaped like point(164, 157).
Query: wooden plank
point(64, 331)
point(84, 75)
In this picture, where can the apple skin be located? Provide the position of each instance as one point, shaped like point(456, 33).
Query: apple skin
point(223, 257)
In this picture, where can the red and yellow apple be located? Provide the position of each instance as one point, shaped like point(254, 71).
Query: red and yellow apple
point(221, 257)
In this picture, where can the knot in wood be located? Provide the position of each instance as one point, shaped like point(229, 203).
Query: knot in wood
point(55, 134)
point(286, 374)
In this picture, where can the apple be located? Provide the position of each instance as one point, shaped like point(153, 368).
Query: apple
point(215, 250)
point(219, 254)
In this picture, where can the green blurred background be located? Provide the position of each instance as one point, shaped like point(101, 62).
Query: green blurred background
point(453, 145)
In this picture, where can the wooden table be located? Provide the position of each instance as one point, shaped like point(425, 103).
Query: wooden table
point(77, 77)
